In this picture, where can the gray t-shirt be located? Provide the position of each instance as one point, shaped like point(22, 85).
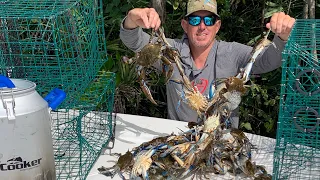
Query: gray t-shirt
point(229, 57)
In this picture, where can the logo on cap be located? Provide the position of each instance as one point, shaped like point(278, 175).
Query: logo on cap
point(209, 3)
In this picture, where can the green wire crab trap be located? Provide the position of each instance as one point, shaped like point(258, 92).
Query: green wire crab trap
point(297, 152)
point(52, 43)
point(79, 134)
point(61, 44)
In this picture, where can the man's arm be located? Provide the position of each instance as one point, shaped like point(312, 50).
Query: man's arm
point(131, 32)
point(280, 24)
point(270, 59)
point(135, 39)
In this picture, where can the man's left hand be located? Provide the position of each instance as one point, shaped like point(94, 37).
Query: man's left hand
point(281, 24)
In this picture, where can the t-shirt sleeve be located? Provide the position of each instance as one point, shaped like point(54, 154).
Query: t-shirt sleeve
point(271, 58)
point(134, 39)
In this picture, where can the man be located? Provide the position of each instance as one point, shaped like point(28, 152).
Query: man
point(204, 58)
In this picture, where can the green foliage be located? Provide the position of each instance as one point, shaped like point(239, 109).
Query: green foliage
point(260, 106)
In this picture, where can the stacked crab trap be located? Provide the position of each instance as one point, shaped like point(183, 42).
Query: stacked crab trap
point(297, 152)
point(60, 44)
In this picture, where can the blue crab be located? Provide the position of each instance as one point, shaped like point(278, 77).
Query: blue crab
point(124, 164)
point(151, 54)
point(143, 161)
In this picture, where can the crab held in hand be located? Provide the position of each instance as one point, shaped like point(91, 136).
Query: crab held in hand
point(149, 55)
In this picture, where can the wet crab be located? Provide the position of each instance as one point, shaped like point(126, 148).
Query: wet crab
point(150, 54)
point(225, 94)
point(228, 96)
point(190, 93)
point(124, 164)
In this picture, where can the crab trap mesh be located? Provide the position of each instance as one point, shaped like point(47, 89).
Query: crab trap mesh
point(52, 43)
point(79, 134)
point(297, 152)
point(60, 44)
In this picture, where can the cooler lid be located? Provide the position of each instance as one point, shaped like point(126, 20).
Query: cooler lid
point(15, 85)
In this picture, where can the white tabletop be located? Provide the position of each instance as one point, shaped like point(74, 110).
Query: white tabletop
point(133, 130)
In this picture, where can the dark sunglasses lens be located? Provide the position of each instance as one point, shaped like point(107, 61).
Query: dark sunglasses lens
point(209, 21)
point(194, 20)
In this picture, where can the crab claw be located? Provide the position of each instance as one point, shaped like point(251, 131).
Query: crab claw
point(108, 172)
point(246, 72)
point(177, 149)
point(187, 171)
point(127, 60)
point(143, 85)
point(189, 161)
point(212, 90)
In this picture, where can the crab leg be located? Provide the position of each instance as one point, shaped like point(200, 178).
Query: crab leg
point(176, 58)
point(167, 64)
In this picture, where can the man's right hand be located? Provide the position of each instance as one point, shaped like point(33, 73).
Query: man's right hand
point(142, 17)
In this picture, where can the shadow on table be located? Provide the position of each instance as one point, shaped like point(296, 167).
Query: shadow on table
point(125, 126)
point(122, 126)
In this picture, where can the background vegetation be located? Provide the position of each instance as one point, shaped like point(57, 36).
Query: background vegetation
point(242, 21)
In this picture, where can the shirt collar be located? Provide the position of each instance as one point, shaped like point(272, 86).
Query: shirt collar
point(187, 59)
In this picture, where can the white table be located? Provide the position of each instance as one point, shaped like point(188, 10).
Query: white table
point(133, 130)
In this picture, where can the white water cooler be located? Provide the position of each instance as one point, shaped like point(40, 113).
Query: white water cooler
point(26, 149)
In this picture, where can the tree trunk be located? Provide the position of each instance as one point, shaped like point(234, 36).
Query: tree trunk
point(312, 8)
point(305, 9)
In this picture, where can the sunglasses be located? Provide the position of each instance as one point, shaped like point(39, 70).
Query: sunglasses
point(196, 20)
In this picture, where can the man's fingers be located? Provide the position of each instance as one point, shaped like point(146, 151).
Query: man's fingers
point(143, 21)
point(153, 17)
point(148, 18)
point(273, 22)
point(290, 24)
point(268, 25)
point(281, 24)
point(280, 27)
point(157, 25)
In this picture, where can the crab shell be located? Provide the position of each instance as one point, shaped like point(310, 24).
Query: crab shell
point(125, 161)
point(235, 84)
point(149, 54)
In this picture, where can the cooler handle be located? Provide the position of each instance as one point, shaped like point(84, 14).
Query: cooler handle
point(6, 82)
point(55, 98)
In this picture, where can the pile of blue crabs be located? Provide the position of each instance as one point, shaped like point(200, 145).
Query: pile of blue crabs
point(208, 146)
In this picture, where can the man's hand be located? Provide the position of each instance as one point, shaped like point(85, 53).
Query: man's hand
point(281, 24)
point(142, 17)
